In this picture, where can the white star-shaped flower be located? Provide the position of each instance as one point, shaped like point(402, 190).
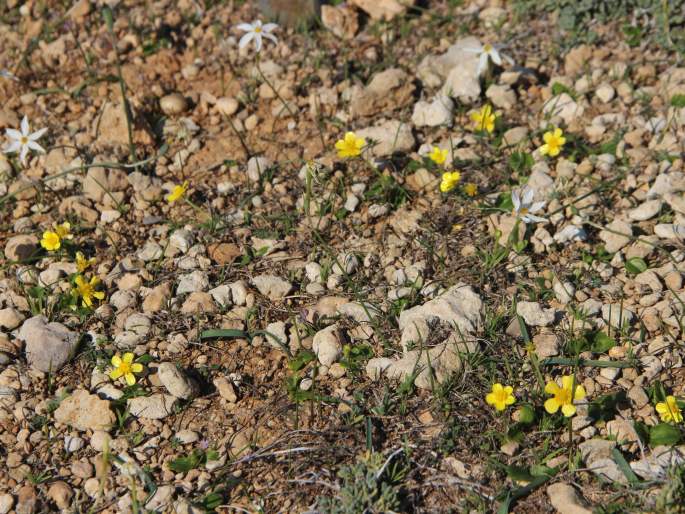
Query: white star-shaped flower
point(524, 207)
point(24, 141)
point(487, 53)
point(256, 31)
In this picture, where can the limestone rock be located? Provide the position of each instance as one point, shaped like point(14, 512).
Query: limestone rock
point(389, 136)
point(48, 345)
point(85, 411)
point(155, 406)
point(21, 248)
point(387, 91)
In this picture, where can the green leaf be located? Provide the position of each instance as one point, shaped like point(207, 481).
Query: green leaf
point(225, 333)
point(526, 414)
point(620, 460)
point(635, 265)
point(678, 101)
point(665, 434)
point(521, 161)
point(563, 361)
point(301, 360)
point(519, 474)
point(185, 464)
point(601, 343)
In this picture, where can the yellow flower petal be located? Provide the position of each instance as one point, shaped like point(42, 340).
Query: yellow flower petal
point(552, 388)
point(130, 379)
point(116, 360)
point(128, 357)
point(136, 367)
point(568, 409)
point(551, 405)
point(115, 374)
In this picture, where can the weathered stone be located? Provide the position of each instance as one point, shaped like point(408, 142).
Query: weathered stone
point(85, 411)
point(48, 345)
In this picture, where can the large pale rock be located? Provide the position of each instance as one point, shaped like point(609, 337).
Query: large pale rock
point(387, 91)
point(460, 308)
point(437, 113)
point(112, 127)
point(327, 345)
point(566, 500)
point(382, 9)
point(271, 286)
point(48, 345)
point(389, 137)
point(341, 20)
point(613, 236)
point(85, 411)
point(457, 312)
point(21, 248)
point(155, 406)
point(563, 106)
point(102, 182)
point(176, 382)
point(534, 315)
point(293, 13)
point(667, 183)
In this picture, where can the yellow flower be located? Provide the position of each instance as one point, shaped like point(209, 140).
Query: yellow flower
point(484, 119)
point(438, 156)
point(82, 264)
point(450, 179)
point(51, 241)
point(87, 291)
point(177, 192)
point(350, 146)
point(564, 396)
point(470, 189)
point(63, 230)
point(500, 397)
point(554, 141)
point(125, 367)
point(669, 410)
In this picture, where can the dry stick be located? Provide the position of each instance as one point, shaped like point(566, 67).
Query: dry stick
point(107, 14)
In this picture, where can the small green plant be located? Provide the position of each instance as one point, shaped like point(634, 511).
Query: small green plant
point(671, 499)
point(371, 485)
point(193, 460)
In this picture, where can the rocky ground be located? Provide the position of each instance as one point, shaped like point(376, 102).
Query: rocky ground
point(215, 299)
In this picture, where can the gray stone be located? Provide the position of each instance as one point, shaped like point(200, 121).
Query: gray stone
point(327, 345)
point(85, 411)
point(271, 286)
point(646, 210)
point(566, 500)
point(439, 112)
point(293, 13)
point(613, 238)
point(176, 382)
point(155, 406)
point(10, 318)
point(534, 315)
point(563, 106)
point(389, 136)
point(256, 167)
point(21, 248)
point(614, 315)
point(48, 345)
point(193, 282)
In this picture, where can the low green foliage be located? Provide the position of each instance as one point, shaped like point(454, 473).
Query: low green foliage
point(371, 485)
